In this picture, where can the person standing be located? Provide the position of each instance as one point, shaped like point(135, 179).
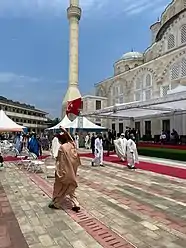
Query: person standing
point(122, 143)
point(92, 143)
point(55, 146)
point(67, 163)
point(132, 153)
point(98, 151)
point(87, 141)
point(33, 145)
point(76, 137)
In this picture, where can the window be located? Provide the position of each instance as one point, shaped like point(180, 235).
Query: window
point(178, 70)
point(98, 104)
point(166, 125)
point(113, 126)
point(148, 81)
point(147, 94)
point(127, 68)
point(147, 127)
point(183, 34)
point(183, 68)
point(171, 42)
point(137, 125)
point(118, 93)
point(139, 83)
point(143, 87)
point(175, 71)
point(164, 90)
point(120, 127)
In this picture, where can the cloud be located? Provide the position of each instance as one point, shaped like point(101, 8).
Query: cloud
point(31, 8)
point(43, 93)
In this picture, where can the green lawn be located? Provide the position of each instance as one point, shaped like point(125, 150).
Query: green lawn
point(173, 154)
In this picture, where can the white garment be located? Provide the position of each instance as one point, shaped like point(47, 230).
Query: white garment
point(77, 141)
point(132, 153)
point(55, 147)
point(87, 142)
point(118, 149)
point(122, 143)
point(98, 160)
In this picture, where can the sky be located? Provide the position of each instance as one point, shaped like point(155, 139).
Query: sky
point(34, 45)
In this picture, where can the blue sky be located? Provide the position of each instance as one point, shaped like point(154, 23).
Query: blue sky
point(34, 45)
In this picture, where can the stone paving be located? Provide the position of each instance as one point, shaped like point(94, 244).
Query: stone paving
point(146, 209)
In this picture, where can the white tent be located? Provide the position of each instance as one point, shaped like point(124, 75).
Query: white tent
point(179, 88)
point(63, 123)
point(174, 102)
point(7, 125)
point(84, 123)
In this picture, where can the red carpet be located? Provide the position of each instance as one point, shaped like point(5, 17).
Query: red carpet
point(157, 168)
point(12, 158)
point(154, 145)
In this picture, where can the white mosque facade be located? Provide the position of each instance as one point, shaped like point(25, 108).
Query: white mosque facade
point(143, 76)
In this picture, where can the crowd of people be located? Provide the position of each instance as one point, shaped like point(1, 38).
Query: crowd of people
point(30, 141)
point(123, 144)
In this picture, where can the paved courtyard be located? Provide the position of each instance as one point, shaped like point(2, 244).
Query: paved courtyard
point(120, 209)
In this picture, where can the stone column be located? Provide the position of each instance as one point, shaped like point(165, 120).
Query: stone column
point(74, 15)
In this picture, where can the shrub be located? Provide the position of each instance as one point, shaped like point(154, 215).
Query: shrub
point(173, 154)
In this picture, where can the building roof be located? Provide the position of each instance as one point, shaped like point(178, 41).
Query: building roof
point(174, 102)
point(132, 56)
point(20, 105)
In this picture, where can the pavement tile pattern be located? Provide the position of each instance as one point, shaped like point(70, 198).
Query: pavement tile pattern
point(146, 209)
point(10, 233)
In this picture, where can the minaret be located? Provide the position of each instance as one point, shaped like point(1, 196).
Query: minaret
point(74, 15)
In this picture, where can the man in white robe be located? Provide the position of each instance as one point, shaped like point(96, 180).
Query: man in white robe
point(76, 137)
point(122, 147)
point(87, 141)
point(98, 160)
point(55, 147)
point(132, 153)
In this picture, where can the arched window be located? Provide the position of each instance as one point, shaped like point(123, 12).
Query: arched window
point(183, 68)
point(143, 88)
point(127, 68)
point(175, 71)
point(183, 34)
point(100, 92)
point(118, 93)
point(135, 65)
point(148, 80)
point(171, 42)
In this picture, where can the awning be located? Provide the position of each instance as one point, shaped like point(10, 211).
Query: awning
point(170, 104)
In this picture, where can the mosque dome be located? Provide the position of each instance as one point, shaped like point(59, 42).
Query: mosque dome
point(132, 56)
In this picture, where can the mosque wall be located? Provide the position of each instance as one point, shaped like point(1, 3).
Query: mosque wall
point(143, 76)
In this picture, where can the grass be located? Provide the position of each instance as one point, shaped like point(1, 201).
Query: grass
point(173, 154)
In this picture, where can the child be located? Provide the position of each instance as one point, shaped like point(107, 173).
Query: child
point(1, 161)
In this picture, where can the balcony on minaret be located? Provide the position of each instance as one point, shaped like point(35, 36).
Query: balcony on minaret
point(74, 11)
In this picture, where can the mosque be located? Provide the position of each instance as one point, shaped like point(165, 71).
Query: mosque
point(148, 75)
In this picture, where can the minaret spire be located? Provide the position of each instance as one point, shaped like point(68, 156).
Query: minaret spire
point(74, 16)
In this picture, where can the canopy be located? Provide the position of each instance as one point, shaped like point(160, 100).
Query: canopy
point(7, 125)
point(83, 123)
point(179, 88)
point(172, 103)
point(63, 123)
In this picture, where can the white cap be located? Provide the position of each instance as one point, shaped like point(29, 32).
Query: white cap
point(122, 134)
